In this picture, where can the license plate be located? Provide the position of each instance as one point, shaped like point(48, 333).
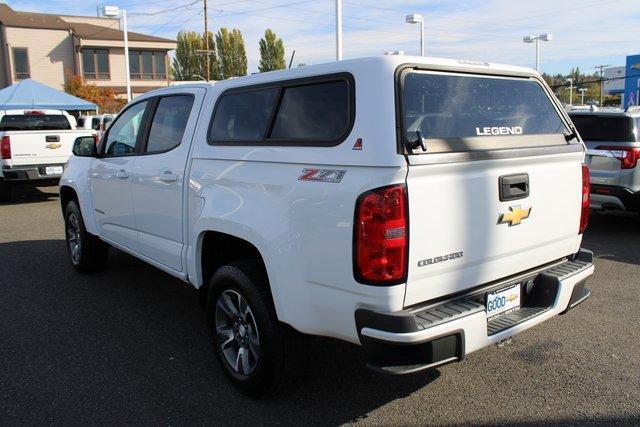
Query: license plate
point(53, 170)
point(503, 301)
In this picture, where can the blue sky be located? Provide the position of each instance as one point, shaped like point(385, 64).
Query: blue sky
point(586, 32)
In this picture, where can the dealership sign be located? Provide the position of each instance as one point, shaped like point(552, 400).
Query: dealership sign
point(632, 81)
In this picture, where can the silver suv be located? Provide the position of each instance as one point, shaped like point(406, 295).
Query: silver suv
point(612, 138)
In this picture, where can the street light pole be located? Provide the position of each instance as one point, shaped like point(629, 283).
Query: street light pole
point(338, 30)
point(582, 91)
point(531, 39)
point(537, 54)
point(115, 12)
point(126, 54)
point(570, 91)
point(416, 18)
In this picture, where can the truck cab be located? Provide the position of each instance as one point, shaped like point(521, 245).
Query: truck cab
point(421, 208)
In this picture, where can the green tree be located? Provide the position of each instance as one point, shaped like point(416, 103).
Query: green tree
point(189, 62)
point(271, 52)
point(231, 53)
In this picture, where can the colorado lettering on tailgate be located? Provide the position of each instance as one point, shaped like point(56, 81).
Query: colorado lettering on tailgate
point(448, 257)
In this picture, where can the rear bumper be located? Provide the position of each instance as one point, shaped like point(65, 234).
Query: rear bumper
point(423, 338)
point(29, 173)
point(610, 197)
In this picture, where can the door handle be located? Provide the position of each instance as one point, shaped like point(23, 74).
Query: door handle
point(168, 177)
point(122, 174)
point(514, 187)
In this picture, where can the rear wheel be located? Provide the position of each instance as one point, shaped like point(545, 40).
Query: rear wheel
point(249, 342)
point(87, 252)
point(6, 191)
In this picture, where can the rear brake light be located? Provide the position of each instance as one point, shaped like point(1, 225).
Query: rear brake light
point(34, 113)
point(586, 190)
point(629, 155)
point(5, 147)
point(380, 236)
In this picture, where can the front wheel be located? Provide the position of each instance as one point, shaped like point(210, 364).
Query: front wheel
point(87, 252)
point(249, 341)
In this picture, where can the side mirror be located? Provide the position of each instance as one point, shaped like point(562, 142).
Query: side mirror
point(85, 146)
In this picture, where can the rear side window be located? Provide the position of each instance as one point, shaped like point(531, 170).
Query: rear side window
point(318, 112)
point(602, 128)
point(169, 122)
point(35, 122)
point(313, 112)
point(444, 106)
point(243, 116)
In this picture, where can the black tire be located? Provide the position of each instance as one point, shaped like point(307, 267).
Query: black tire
point(6, 191)
point(248, 280)
point(90, 253)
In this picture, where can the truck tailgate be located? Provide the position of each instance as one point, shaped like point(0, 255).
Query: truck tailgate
point(42, 147)
point(457, 240)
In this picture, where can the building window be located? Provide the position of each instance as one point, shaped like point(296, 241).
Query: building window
point(95, 64)
point(21, 63)
point(148, 65)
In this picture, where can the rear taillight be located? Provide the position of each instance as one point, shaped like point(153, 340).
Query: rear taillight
point(380, 236)
point(628, 157)
point(5, 147)
point(586, 190)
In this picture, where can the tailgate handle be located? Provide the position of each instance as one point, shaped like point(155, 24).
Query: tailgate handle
point(513, 187)
point(52, 138)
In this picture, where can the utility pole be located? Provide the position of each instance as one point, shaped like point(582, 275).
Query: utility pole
point(601, 68)
point(570, 91)
point(206, 42)
point(338, 30)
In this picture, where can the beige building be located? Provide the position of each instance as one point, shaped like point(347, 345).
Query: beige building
point(52, 48)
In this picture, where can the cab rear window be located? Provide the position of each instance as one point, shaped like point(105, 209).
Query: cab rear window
point(446, 106)
point(34, 122)
point(603, 128)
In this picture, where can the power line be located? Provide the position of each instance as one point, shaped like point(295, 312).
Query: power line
point(586, 82)
point(158, 12)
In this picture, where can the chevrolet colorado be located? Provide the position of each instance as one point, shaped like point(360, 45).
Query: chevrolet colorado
point(421, 208)
point(34, 146)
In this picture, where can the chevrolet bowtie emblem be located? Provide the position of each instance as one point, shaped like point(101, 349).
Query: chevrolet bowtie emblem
point(515, 216)
point(53, 146)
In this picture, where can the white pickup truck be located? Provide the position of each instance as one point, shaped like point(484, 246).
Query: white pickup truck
point(421, 208)
point(34, 146)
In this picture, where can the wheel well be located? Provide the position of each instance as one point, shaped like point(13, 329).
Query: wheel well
point(67, 194)
point(220, 249)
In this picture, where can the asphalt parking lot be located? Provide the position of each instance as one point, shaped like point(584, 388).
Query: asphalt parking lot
point(129, 345)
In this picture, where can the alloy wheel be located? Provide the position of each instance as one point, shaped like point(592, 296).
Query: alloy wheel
point(237, 332)
point(73, 238)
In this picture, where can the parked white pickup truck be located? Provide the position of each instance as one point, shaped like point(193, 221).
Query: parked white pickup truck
point(422, 208)
point(34, 146)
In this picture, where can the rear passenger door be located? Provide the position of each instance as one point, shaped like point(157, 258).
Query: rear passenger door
point(159, 174)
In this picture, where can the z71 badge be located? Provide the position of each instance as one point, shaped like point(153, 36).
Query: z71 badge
point(322, 175)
